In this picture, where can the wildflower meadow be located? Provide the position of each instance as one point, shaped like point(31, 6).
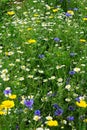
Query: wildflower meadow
point(43, 65)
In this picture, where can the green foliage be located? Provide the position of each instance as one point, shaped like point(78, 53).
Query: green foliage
point(43, 56)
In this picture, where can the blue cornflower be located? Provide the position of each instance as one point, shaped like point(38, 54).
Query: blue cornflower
point(58, 112)
point(75, 9)
point(67, 81)
point(71, 72)
point(7, 92)
point(70, 118)
point(68, 14)
point(29, 103)
point(71, 108)
point(78, 98)
point(41, 56)
point(72, 54)
point(55, 106)
point(37, 112)
point(56, 39)
point(17, 127)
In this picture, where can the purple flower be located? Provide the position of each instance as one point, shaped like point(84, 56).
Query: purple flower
point(71, 108)
point(29, 103)
point(58, 112)
point(70, 118)
point(41, 56)
point(37, 112)
point(7, 91)
point(67, 81)
point(72, 54)
point(71, 72)
point(17, 127)
point(68, 14)
point(56, 39)
point(75, 9)
point(78, 99)
point(55, 106)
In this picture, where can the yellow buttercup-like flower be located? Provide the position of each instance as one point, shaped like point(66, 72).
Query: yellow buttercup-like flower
point(85, 120)
point(36, 15)
point(8, 104)
point(55, 10)
point(70, 12)
point(52, 123)
point(2, 113)
point(82, 103)
point(51, 17)
point(31, 41)
point(85, 19)
point(82, 40)
point(29, 29)
point(13, 96)
point(1, 107)
point(10, 12)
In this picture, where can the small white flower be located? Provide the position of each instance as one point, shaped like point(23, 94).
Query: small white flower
point(0, 66)
point(0, 51)
point(21, 78)
point(67, 99)
point(83, 65)
point(23, 67)
point(76, 69)
point(4, 71)
point(40, 128)
point(58, 67)
point(62, 127)
point(11, 64)
point(27, 69)
point(75, 95)
point(17, 60)
point(49, 118)
point(52, 78)
point(68, 87)
point(30, 76)
point(45, 80)
point(44, 99)
point(64, 122)
point(41, 71)
point(36, 118)
point(59, 80)
point(30, 97)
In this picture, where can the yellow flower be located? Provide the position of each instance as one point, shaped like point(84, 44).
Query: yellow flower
point(10, 12)
point(51, 17)
point(85, 120)
point(31, 41)
point(55, 10)
point(2, 113)
point(70, 12)
point(52, 123)
point(13, 96)
point(38, 21)
point(1, 107)
point(8, 104)
point(36, 15)
point(29, 29)
point(82, 40)
point(85, 19)
point(82, 103)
